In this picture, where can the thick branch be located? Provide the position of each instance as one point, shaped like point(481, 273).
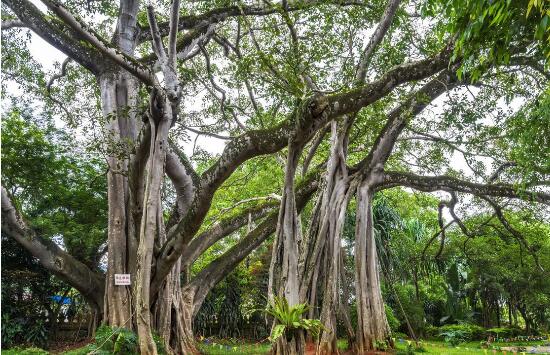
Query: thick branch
point(7, 24)
point(228, 225)
point(59, 36)
point(53, 258)
point(447, 183)
point(354, 100)
point(182, 181)
point(398, 118)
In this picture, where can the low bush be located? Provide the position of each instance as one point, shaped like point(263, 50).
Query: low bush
point(508, 332)
point(468, 331)
point(454, 336)
point(114, 340)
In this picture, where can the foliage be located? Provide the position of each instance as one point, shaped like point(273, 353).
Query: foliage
point(60, 190)
point(11, 331)
point(488, 31)
point(468, 331)
point(289, 319)
point(527, 135)
point(115, 340)
point(454, 336)
point(37, 333)
point(393, 321)
point(59, 194)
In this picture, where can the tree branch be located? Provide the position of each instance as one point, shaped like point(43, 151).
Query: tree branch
point(117, 57)
point(447, 183)
point(172, 36)
point(58, 35)
point(53, 258)
point(375, 40)
point(303, 123)
point(218, 15)
point(398, 118)
point(519, 237)
point(214, 272)
point(7, 24)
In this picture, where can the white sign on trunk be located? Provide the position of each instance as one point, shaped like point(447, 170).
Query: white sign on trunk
point(122, 279)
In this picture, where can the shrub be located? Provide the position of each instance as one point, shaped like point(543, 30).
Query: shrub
point(37, 334)
point(393, 322)
point(114, 340)
point(432, 331)
point(12, 331)
point(454, 337)
point(469, 331)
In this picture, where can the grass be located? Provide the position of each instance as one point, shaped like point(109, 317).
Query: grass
point(238, 348)
point(473, 347)
point(232, 346)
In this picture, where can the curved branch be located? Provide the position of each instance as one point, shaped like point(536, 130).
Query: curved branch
point(398, 118)
point(519, 237)
point(312, 114)
point(448, 183)
point(214, 272)
point(90, 284)
point(61, 37)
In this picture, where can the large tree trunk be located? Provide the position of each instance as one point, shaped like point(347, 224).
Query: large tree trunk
point(372, 325)
point(152, 224)
point(336, 198)
point(283, 276)
point(117, 305)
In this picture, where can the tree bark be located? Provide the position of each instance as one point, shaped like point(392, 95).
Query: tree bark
point(336, 198)
point(118, 305)
point(372, 325)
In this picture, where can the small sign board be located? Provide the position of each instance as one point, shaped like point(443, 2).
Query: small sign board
point(122, 279)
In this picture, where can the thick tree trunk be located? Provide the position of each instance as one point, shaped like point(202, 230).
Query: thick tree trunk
point(283, 276)
point(333, 215)
point(372, 325)
point(117, 304)
point(152, 224)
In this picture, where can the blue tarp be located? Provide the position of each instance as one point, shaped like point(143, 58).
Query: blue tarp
point(61, 299)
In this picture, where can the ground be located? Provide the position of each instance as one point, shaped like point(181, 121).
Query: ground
point(227, 347)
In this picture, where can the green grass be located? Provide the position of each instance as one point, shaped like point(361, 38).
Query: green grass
point(22, 351)
point(440, 348)
point(227, 347)
point(224, 347)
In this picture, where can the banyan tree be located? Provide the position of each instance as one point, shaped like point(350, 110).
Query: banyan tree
point(345, 99)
